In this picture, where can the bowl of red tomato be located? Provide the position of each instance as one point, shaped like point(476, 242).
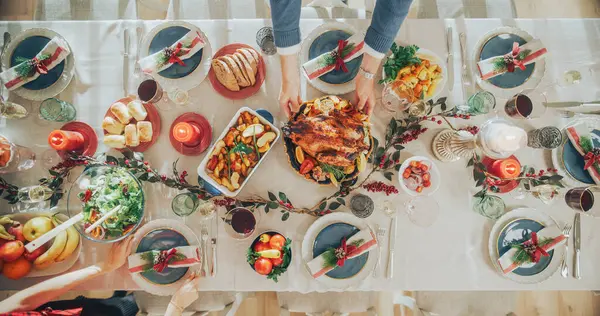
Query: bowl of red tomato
point(270, 254)
point(419, 176)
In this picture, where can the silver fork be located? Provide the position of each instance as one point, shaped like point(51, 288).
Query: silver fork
point(380, 236)
point(138, 70)
point(204, 237)
point(564, 268)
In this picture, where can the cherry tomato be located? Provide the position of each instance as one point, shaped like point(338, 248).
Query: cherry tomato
point(424, 167)
point(426, 177)
point(263, 266)
point(260, 246)
point(277, 242)
point(419, 189)
point(426, 184)
point(406, 175)
point(277, 261)
point(414, 163)
point(307, 165)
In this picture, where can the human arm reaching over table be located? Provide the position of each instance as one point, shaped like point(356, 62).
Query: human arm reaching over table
point(31, 298)
point(387, 18)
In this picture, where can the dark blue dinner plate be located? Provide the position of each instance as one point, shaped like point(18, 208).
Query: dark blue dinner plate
point(165, 38)
point(327, 42)
point(574, 162)
point(28, 48)
point(331, 237)
point(163, 239)
point(500, 45)
point(518, 232)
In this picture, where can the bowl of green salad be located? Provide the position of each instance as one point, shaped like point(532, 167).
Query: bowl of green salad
point(111, 201)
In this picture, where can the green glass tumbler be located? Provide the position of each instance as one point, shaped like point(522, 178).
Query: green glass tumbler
point(56, 110)
point(185, 204)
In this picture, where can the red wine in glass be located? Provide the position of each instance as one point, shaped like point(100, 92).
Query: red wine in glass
point(150, 91)
point(520, 106)
point(243, 221)
point(580, 199)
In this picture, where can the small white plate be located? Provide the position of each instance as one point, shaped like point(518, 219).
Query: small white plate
point(433, 171)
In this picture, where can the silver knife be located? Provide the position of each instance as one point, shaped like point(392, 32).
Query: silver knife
point(592, 104)
point(213, 240)
point(450, 58)
point(126, 61)
point(466, 78)
point(577, 245)
point(390, 266)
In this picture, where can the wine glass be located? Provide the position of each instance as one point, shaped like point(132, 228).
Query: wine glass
point(528, 104)
point(240, 222)
point(583, 200)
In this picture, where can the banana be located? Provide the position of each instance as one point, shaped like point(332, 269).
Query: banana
point(44, 265)
point(60, 241)
point(72, 240)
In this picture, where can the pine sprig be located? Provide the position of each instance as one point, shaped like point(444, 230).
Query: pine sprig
point(521, 256)
point(150, 256)
point(329, 59)
point(25, 68)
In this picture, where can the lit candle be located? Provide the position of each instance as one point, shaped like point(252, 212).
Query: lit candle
point(506, 168)
point(65, 140)
point(187, 133)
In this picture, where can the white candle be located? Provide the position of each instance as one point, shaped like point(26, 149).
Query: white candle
point(503, 138)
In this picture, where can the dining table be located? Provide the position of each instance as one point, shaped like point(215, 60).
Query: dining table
point(451, 254)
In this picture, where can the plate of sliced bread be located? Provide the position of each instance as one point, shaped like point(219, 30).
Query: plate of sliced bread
point(237, 71)
point(131, 123)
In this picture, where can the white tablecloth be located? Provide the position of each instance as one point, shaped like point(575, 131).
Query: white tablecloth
point(450, 255)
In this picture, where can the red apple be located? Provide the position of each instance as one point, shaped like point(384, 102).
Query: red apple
point(11, 251)
point(17, 231)
point(31, 256)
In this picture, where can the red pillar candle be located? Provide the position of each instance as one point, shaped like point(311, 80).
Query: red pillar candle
point(65, 140)
point(187, 133)
point(506, 168)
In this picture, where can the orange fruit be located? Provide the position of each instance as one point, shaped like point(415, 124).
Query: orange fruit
point(16, 269)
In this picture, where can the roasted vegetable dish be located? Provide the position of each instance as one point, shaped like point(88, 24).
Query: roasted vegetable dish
point(234, 156)
point(331, 140)
point(411, 76)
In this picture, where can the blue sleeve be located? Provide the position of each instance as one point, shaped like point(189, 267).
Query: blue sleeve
point(286, 22)
point(387, 18)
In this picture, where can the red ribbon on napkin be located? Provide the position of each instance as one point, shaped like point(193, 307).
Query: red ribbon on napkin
point(344, 251)
point(339, 59)
point(511, 59)
point(39, 66)
point(173, 57)
point(533, 249)
point(163, 259)
point(590, 158)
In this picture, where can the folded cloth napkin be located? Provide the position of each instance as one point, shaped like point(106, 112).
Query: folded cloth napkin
point(28, 70)
point(579, 137)
point(327, 62)
point(520, 56)
point(539, 244)
point(181, 50)
point(358, 244)
point(158, 260)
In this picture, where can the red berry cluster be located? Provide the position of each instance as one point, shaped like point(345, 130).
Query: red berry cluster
point(378, 186)
point(433, 119)
point(471, 129)
point(540, 173)
point(69, 163)
point(411, 135)
point(462, 116)
point(386, 164)
point(321, 213)
point(224, 202)
point(182, 176)
point(288, 205)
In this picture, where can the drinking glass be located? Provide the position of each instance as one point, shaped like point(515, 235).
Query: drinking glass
point(422, 211)
point(178, 96)
point(527, 104)
point(10, 110)
point(583, 200)
point(34, 194)
point(489, 206)
point(479, 103)
point(14, 157)
point(240, 222)
point(149, 90)
point(548, 137)
point(50, 158)
point(391, 101)
point(266, 40)
point(185, 204)
point(55, 110)
point(419, 108)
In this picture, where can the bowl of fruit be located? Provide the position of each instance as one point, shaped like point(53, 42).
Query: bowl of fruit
point(270, 254)
point(419, 176)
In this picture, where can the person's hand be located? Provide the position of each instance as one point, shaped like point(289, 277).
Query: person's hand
point(186, 294)
point(117, 255)
point(365, 94)
point(289, 97)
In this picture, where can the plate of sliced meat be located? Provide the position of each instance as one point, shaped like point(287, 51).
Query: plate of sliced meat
point(237, 71)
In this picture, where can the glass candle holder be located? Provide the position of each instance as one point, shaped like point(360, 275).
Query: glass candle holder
point(56, 110)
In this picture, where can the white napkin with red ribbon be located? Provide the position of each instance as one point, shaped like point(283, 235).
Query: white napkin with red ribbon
point(518, 57)
point(362, 241)
point(179, 257)
point(181, 50)
point(506, 261)
point(51, 55)
point(327, 62)
point(580, 139)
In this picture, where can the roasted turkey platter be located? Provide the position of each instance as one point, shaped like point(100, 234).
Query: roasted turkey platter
point(328, 141)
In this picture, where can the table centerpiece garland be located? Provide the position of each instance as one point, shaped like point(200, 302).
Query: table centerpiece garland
point(385, 159)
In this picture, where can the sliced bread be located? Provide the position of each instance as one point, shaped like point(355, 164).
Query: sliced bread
point(251, 75)
point(237, 71)
point(254, 54)
point(225, 75)
point(249, 57)
point(243, 69)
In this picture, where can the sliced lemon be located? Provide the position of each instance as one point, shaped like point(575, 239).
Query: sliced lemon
point(361, 162)
point(271, 253)
point(299, 155)
point(253, 129)
point(265, 238)
point(333, 179)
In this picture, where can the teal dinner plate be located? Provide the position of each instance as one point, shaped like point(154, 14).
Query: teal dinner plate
point(331, 237)
point(574, 162)
point(501, 45)
point(163, 239)
point(519, 231)
point(28, 48)
point(327, 42)
point(165, 38)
